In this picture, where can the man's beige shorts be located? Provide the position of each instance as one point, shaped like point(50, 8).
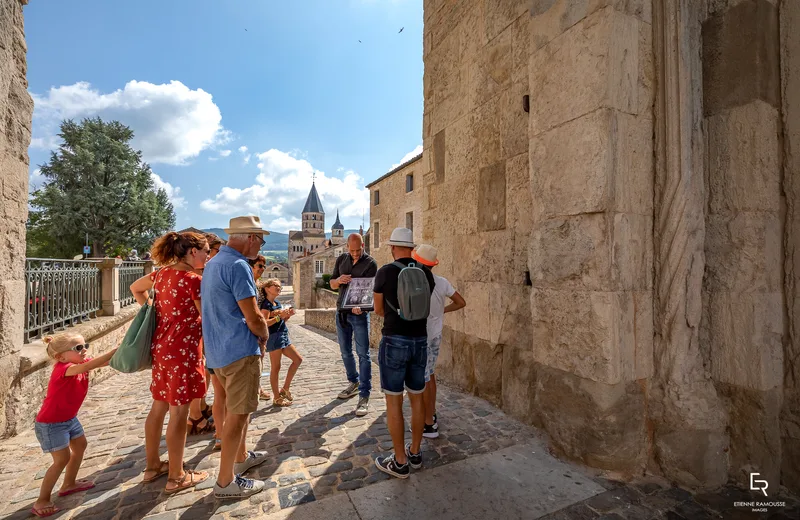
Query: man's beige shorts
point(241, 380)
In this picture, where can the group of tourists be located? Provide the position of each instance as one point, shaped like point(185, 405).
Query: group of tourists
point(215, 320)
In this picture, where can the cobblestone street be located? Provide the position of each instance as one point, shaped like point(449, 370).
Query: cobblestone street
point(317, 449)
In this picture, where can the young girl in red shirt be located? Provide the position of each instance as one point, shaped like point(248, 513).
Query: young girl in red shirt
point(57, 427)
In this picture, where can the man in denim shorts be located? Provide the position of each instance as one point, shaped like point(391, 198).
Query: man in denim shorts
point(402, 357)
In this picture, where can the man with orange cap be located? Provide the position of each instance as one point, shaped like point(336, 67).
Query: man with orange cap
point(427, 256)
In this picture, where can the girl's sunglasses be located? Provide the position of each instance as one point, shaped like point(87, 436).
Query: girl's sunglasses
point(78, 348)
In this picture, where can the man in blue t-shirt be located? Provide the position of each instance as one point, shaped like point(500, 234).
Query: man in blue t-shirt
point(235, 336)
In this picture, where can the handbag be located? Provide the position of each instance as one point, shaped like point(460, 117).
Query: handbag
point(134, 353)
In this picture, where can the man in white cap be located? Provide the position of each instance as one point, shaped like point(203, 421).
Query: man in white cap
point(235, 336)
point(427, 256)
point(402, 296)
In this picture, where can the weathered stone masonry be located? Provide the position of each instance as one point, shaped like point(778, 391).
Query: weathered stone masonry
point(627, 248)
point(16, 110)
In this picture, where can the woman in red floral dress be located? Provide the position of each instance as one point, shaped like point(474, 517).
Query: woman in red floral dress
point(178, 375)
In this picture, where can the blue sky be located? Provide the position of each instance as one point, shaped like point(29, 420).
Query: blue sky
point(237, 103)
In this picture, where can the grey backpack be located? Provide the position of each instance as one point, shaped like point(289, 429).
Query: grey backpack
point(413, 293)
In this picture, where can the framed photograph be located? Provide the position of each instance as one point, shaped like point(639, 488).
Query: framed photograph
point(358, 293)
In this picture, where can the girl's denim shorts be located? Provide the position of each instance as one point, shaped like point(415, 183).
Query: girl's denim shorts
point(56, 436)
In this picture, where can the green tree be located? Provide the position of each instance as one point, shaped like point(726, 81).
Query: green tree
point(96, 183)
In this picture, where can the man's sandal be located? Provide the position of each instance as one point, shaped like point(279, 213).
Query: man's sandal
point(196, 429)
point(162, 470)
point(194, 478)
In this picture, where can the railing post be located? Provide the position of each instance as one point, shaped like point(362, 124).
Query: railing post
point(149, 266)
point(109, 285)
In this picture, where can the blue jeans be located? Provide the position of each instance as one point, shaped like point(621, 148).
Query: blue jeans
point(347, 325)
point(402, 360)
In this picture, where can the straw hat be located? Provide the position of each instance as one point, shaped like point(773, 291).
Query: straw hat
point(246, 226)
point(426, 255)
point(402, 237)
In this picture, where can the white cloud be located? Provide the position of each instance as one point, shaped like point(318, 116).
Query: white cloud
point(173, 192)
point(242, 149)
point(246, 159)
point(212, 159)
point(171, 122)
point(35, 180)
point(224, 153)
point(407, 157)
point(281, 188)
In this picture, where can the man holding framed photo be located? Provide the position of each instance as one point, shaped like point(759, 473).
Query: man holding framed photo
point(353, 320)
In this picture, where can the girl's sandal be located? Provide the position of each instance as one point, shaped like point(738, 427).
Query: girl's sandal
point(287, 395)
point(45, 511)
point(162, 470)
point(264, 395)
point(217, 444)
point(281, 401)
point(194, 478)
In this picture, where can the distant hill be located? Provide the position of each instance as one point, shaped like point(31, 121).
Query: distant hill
point(275, 241)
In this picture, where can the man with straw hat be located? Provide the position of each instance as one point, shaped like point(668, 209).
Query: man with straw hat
point(427, 256)
point(235, 336)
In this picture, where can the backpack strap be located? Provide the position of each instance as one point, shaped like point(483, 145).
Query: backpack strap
point(401, 266)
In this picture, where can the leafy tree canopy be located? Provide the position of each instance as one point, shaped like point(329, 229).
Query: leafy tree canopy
point(96, 183)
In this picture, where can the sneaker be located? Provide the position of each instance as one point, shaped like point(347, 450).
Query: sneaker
point(414, 459)
point(431, 431)
point(240, 488)
point(350, 391)
point(362, 407)
point(254, 458)
point(390, 466)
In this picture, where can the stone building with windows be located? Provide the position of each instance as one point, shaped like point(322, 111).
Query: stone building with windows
point(307, 274)
point(279, 271)
point(395, 200)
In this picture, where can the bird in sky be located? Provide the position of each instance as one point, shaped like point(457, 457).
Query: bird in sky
point(359, 41)
point(401, 30)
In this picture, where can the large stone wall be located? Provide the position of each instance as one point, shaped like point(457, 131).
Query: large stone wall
point(394, 204)
point(627, 249)
point(16, 109)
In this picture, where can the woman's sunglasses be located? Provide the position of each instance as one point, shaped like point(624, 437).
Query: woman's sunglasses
point(78, 348)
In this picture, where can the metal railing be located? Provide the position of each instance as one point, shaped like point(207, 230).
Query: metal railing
point(59, 293)
point(129, 272)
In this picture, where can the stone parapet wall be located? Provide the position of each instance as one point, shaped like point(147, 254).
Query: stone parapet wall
point(325, 299)
point(323, 319)
point(30, 386)
point(16, 109)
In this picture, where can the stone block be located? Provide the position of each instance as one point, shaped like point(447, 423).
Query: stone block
point(460, 149)
point(755, 434)
point(744, 252)
point(492, 197)
point(473, 31)
point(449, 94)
point(502, 13)
point(12, 316)
point(485, 257)
point(490, 71)
point(741, 57)
point(631, 252)
point(790, 438)
point(488, 370)
point(746, 336)
point(570, 166)
point(519, 384)
point(510, 316)
point(444, 364)
point(744, 161)
point(519, 214)
point(462, 371)
point(633, 173)
point(439, 147)
point(476, 313)
point(647, 70)
point(592, 65)
point(520, 42)
point(513, 118)
point(572, 252)
point(695, 458)
point(487, 131)
point(445, 22)
point(590, 334)
point(596, 424)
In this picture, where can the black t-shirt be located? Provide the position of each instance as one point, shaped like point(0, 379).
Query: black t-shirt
point(366, 267)
point(386, 284)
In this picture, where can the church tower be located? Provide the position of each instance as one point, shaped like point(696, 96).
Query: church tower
point(337, 231)
point(313, 222)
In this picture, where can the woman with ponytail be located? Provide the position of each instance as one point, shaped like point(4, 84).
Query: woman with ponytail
point(178, 375)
